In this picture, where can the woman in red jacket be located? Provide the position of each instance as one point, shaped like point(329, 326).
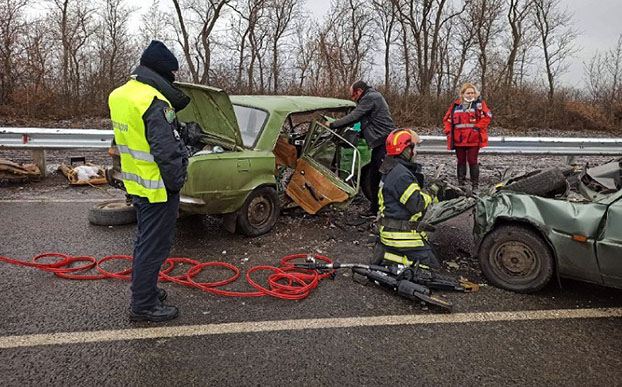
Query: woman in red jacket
point(465, 128)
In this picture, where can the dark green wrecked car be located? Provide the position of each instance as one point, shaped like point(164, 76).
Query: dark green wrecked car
point(551, 222)
point(253, 155)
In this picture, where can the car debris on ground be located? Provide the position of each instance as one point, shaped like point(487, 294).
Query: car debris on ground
point(87, 174)
point(18, 172)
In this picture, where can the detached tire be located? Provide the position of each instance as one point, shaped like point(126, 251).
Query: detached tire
point(540, 184)
point(112, 213)
point(259, 213)
point(516, 258)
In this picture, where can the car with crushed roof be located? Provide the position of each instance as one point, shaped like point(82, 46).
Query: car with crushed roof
point(554, 222)
point(252, 155)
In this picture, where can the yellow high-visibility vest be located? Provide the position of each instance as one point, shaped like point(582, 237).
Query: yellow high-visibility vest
point(140, 173)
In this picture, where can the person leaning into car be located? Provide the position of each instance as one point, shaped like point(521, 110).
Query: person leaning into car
point(376, 123)
point(153, 167)
point(465, 127)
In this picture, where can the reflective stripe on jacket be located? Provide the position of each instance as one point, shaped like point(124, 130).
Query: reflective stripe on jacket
point(469, 124)
point(140, 172)
point(400, 197)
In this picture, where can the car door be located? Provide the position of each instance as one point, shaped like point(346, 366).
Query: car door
point(609, 244)
point(327, 172)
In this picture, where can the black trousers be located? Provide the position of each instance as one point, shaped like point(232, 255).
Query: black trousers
point(154, 238)
point(377, 157)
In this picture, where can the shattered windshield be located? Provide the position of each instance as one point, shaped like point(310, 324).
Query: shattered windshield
point(251, 121)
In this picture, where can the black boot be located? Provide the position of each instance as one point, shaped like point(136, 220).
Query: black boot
point(474, 171)
point(461, 175)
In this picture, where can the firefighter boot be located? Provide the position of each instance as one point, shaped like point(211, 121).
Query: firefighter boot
point(474, 171)
point(461, 175)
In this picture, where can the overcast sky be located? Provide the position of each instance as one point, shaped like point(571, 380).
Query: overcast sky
point(600, 23)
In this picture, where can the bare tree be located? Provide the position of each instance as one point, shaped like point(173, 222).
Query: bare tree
point(154, 24)
point(282, 13)
point(74, 27)
point(197, 49)
point(604, 78)
point(37, 43)
point(425, 20)
point(556, 32)
point(305, 52)
point(517, 13)
point(460, 39)
point(12, 23)
point(485, 15)
point(386, 20)
point(117, 53)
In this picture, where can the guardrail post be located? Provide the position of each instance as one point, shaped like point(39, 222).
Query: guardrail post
point(38, 157)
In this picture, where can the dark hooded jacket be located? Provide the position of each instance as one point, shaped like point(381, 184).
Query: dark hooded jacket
point(164, 139)
point(373, 113)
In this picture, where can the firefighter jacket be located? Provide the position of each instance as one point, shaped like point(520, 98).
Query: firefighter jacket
point(373, 112)
point(153, 156)
point(466, 126)
point(401, 201)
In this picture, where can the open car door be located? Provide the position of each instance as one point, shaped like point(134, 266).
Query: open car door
point(327, 172)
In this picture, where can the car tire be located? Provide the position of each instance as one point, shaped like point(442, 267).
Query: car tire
point(366, 183)
point(516, 258)
point(259, 213)
point(112, 213)
point(540, 184)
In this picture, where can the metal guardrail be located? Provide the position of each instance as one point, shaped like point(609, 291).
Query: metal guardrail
point(40, 139)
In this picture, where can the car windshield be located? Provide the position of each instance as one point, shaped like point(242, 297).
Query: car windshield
point(250, 121)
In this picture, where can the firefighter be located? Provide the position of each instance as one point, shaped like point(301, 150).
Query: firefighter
point(153, 165)
point(402, 204)
point(465, 122)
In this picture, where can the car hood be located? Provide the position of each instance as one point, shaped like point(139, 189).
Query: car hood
point(445, 210)
point(212, 109)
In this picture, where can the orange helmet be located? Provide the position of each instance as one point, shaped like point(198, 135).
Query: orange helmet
point(400, 139)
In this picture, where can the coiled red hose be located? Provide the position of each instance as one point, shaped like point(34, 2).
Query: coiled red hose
point(286, 282)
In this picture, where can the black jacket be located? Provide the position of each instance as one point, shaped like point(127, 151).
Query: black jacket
point(373, 113)
point(166, 145)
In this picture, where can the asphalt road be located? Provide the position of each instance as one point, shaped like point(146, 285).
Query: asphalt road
point(62, 332)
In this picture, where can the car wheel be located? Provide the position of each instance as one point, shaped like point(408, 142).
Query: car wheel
point(366, 183)
point(112, 213)
point(259, 212)
point(516, 258)
point(543, 183)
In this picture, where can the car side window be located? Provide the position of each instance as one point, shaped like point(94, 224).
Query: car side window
point(251, 121)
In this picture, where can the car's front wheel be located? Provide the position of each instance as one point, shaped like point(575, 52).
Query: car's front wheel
point(516, 258)
point(259, 212)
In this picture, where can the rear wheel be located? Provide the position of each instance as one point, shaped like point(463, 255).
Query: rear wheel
point(516, 258)
point(259, 212)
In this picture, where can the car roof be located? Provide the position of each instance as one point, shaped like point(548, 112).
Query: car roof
point(288, 103)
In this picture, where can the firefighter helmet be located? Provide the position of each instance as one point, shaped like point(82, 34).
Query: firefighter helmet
point(400, 139)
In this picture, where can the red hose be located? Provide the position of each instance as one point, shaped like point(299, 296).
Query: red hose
point(286, 282)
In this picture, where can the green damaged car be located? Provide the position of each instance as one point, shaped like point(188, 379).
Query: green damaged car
point(254, 155)
point(549, 222)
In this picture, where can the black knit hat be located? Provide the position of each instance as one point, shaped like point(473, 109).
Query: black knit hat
point(160, 59)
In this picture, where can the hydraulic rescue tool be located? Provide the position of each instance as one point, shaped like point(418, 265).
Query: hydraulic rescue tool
point(414, 282)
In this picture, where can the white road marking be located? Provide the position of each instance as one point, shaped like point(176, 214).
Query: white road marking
point(296, 325)
point(46, 200)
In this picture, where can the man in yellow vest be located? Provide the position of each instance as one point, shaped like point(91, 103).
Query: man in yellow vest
point(153, 165)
